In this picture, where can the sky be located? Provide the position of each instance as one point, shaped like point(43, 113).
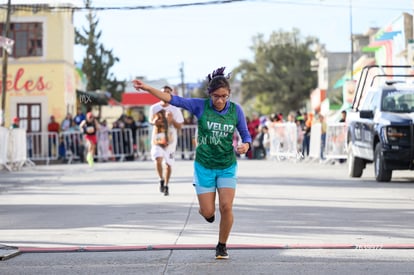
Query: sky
point(156, 42)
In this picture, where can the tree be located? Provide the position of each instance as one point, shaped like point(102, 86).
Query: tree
point(98, 60)
point(280, 77)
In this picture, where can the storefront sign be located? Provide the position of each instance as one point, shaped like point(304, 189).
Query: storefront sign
point(19, 84)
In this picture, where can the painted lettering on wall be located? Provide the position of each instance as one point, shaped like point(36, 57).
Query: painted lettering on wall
point(19, 83)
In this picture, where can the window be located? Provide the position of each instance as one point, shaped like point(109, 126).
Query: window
point(368, 101)
point(28, 39)
point(30, 117)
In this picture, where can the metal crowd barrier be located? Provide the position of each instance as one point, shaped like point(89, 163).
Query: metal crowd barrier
point(13, 150)
point(112, 145)
point(284, 141)
point(187, 141)
point(286, 145)
point(315, 141)
point(4, 148)
point(71, 146)
point(121, 144)
point(143, 143)
point(336, 135)
point(43, 146)
point(17, 147)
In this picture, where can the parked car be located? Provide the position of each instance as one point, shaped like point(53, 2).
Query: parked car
point(380, 124)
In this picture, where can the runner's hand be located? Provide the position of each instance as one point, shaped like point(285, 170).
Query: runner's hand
point(140, 85)
point(242, 148)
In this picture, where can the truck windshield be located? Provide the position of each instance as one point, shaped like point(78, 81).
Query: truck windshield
point(398, 101)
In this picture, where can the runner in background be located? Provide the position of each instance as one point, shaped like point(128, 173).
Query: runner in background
point(89, 127)
point(169, 117)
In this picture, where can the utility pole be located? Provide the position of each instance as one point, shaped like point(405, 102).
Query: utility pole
point(182, 80)
point(4, 67)
point(352, 40)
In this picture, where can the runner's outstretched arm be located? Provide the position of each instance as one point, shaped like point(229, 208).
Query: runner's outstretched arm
point(140, 85)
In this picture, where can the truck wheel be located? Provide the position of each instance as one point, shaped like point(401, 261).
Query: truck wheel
point(381, 174)
point(355, 164)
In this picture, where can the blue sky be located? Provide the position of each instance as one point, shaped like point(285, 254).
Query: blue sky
point(155, 42)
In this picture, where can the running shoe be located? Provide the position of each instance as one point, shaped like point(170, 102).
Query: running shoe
point(210, 220)
point(162, 186)
point(221, 252)
point(89, 159)
point(166, 193)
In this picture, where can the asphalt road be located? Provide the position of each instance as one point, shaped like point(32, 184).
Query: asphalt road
point(290, 218)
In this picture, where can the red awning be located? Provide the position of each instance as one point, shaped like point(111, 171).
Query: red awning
point(113, 102)
point(138, 99)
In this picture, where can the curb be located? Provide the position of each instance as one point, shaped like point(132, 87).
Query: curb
point(207, 246)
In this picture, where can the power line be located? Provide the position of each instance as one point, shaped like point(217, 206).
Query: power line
point(339, 4)
point(102, 8)
point(318, 3)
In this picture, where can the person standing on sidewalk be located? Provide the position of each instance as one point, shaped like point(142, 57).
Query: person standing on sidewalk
point(53, 128)
point(89, 127)
point(215, 164)
point(165, 153)
point(15, 123)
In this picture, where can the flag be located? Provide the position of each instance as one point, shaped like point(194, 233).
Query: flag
point(7, 44)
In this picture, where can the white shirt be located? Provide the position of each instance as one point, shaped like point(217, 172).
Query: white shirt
point(177, 116)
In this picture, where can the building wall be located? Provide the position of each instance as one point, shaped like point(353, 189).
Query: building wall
point(48, 79)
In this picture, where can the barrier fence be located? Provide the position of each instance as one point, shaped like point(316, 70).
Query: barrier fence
point(13, 148)
point(113, 145)
point(286, 142)
point(336, 141)
point(125, 144)
point(4, 141)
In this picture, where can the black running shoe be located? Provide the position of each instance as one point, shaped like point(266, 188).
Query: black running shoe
point(162, 186)
point(221, 252)
point(210, 220)
point(166, 193)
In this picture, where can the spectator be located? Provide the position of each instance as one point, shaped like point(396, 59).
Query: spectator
point(259, 149)
point(130, 137)
point(66, 122)
point(323, 135)
point(307, 133)
point(143, 134)
point(80, 116)
point(103, 141)
point(343, 120)
point(74, 141)
point(53, 136)
point(15, 124)
point(116, 139)
point(343, 116)
point(253, 127)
